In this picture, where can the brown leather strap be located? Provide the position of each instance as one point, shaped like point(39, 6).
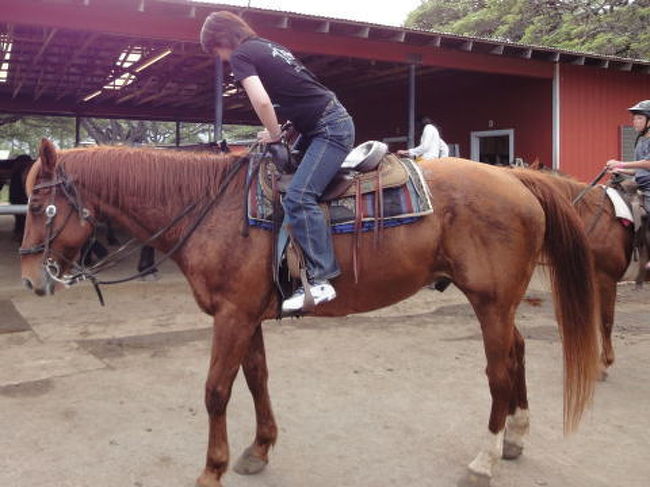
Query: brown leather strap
point(358, 227)
point(379, 209)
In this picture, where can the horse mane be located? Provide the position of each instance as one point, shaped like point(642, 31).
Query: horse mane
point(162, 178)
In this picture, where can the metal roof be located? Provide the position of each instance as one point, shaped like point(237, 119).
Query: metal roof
point(56, 54)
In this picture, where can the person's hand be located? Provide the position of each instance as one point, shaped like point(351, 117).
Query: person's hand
point(613, 165)
point(402, 152)
point(265, 137)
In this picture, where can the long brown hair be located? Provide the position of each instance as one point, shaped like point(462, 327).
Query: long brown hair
point(224, 29)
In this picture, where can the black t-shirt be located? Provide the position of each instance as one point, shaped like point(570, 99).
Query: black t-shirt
point(294, 90)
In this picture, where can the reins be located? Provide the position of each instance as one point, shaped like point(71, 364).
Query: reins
point(589, 186)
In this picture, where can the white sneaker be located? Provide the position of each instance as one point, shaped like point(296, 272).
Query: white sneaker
point(322, 292)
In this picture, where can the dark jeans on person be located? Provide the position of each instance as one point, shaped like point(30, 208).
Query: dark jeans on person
point(327, 145)
point(643, 181)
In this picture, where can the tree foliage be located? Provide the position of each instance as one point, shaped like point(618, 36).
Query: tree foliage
point(610, 27)
point(22, 134)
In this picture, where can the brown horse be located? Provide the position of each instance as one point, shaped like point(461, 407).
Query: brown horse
point(486, 234)
point(611, 244)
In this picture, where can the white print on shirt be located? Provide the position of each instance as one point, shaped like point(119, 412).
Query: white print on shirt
point(286, 56)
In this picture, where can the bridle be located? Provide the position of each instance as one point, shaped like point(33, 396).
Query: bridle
point(64, 183)
point(81, 273)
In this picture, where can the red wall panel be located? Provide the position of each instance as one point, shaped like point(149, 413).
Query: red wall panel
point(461, 102)
point(593, 105)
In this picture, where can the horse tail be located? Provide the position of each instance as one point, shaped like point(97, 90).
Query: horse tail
point(572, 280)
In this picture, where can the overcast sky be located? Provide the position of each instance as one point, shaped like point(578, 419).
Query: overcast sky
point(391, 12)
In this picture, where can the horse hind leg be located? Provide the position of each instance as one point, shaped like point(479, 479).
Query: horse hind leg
point(607, 289)
point(517, 421)
point(256, 456)
point(497, 325)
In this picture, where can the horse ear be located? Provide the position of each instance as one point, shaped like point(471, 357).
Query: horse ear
point(47, 155)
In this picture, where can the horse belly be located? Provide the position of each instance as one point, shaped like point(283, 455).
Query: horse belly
point(396, 267)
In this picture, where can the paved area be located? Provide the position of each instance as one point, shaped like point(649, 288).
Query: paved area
point(113, 396)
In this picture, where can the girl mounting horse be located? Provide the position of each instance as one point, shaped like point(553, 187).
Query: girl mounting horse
point(273, 77)
point(479, 211)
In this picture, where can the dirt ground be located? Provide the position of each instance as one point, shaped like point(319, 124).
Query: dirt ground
point(113, 396)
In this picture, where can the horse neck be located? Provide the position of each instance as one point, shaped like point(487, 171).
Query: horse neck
point(144, 202)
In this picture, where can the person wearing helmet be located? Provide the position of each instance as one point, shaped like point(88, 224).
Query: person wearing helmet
point(640, 167)
point(274, 79)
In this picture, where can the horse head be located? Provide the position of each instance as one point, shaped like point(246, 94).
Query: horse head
point(56, 227)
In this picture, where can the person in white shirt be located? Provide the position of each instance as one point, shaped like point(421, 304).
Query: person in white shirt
point(431, 144)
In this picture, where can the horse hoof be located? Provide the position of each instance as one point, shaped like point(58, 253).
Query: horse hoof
point(207, 480)
point(472, 479)
point(249, 464)
point(511, 451)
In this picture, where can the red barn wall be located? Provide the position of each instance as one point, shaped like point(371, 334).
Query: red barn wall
point(462, 102)
point(593, 106)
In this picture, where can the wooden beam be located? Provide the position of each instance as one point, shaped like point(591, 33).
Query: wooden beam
point(399, 36)
point(21, 80)
point(282, 22)
point(579, 61)
point(363, 33)
point(46, 42)
point(46, 106)
point(467, 46)
point(75, 56)
point(554, 57)
point(323, 27)
point(435, 42)
point(498, 50)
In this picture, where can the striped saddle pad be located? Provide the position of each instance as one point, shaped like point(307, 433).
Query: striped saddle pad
point(403, 199)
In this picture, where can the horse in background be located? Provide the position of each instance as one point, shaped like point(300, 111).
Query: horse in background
point(19, 168)
point(611, 243)
point(485, 220)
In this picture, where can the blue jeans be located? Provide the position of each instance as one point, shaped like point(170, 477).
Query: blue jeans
point(643, 181)
point(326, 144)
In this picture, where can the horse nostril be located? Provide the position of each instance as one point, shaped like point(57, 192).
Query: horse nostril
point(27, 283)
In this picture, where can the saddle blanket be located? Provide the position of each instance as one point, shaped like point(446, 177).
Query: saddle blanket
point(401, 205)
point(621, 209)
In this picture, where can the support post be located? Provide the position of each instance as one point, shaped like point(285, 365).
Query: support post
point(77, 130)
point(178, 133)
point(218, 95)
point(411, 107)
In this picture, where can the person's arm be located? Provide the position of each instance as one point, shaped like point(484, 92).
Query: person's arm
point(444, 148)
point(263, 108)
point(428, 141)
point(627, 167)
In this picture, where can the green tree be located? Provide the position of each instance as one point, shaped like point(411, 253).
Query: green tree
point(611, 27)
point(22, 134)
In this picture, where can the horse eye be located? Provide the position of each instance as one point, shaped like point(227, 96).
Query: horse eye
point(35, 208)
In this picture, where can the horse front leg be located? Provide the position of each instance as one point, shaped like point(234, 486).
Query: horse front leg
point(256, 456)
point(230, 342)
